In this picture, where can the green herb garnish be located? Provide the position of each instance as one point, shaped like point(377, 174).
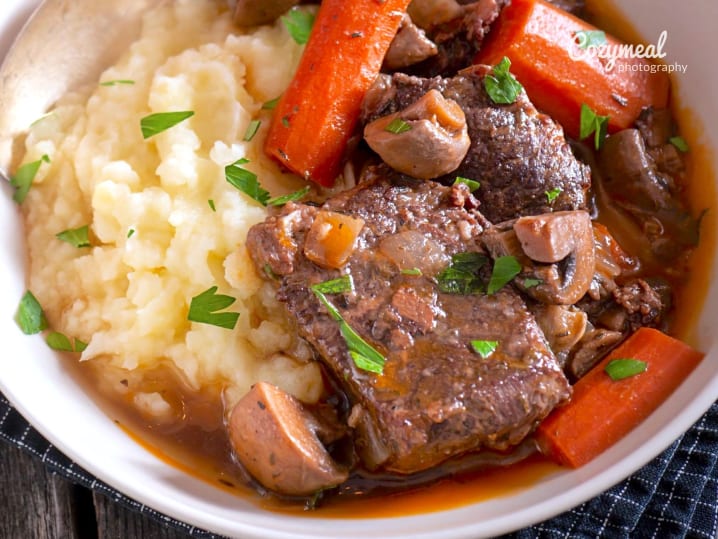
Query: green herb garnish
point(593, 123)
point(414, 272)
point(473, 185)
point(680, 144)
point(590, 38)
point(271, 104)
point(553, 194)
point(117, 82)
point(23, 178)
point(505, 269)
point(364, 355)
point(77, 237)
point(203, 309)
point(291, 197)
point(461, 277)
point(299, 25)
point(252, 129)
point(397, 126)
point(29, 315)
point(484, 348)
point(58, 341)
point(246, 181)
point(161, 121)
point(130, 233)
point(618, 369)
point(532, 283)
point(211, 205)
point(501, 85)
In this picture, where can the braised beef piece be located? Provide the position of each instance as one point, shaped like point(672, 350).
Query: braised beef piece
point(458, 39)
point(436, 397)
point(517, 154)
point(635, 184)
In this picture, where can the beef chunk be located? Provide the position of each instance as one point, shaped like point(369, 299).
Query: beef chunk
point(516, 153)
point(436, 397)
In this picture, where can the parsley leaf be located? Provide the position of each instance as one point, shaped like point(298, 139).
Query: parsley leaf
point(501, 85)
point(618, 369)
point(484, 348)
point(23, 178)
point(203, 309)
point(117, 82)
point(505, 269)
point(211, 205)
point(246, 181)
point(461, 277)
point(252, 129)
point(593, 123)
point(680, 144)
point(553, 194)
point(397, 126)
point(271, 104)
point(414, 272)
point(590, 38)
point(161, 121)
point(29, 315)
point(58, 341)
point(77, 237)
point(291, 197)
point(532, 283)
point(130, 233)
point(299, 24)
point(473, 185)
point(363, 354)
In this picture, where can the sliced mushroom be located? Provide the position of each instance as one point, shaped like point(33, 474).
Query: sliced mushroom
point(276, 439)
point(255, 12)
point(409, 46)
point(431, 138)
point(556, 251)
point(563, 326)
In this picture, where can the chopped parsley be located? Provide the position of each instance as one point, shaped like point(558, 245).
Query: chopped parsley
point(363, 354)
point(130, 233)
point(211, 205)
point(29, 315)
point(501, 85)
point(62, 343)
point(117, 82)
point(299, 24)
point(590, 38)
point(252, 129)
point(532, 283)
point(462, 275)
point(680, 144)
point(23, 178)
point(203, 309)
point(484, 348)
point(161, 121)
point(505, 269)
point(553, 194)
point(397, 126)
point(473, 185)
point(291, 197)
point(618, 369)
point(271, 104)
point(246, 181)
point(77, 237)
point(593, 123)
point(414, 272)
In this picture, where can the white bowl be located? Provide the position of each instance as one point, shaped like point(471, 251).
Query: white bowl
point(34, 380)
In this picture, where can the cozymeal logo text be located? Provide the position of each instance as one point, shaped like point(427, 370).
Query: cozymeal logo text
point(611, 52)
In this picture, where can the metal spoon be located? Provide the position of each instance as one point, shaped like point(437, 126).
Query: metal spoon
point(65, 44)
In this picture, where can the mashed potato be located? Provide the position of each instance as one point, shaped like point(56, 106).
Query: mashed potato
point(156, 239)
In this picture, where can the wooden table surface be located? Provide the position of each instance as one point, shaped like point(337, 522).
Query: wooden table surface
point(37, 504)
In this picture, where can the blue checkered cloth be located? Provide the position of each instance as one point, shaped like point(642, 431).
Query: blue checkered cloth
point(673, 496)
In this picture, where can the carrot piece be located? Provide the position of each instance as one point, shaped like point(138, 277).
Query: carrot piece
point(540, 40)
point(602, 410)
point(318, 113)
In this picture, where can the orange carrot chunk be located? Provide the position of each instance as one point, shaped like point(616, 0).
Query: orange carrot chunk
point(316, 116)
point(603, 410)
point(542, 42)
